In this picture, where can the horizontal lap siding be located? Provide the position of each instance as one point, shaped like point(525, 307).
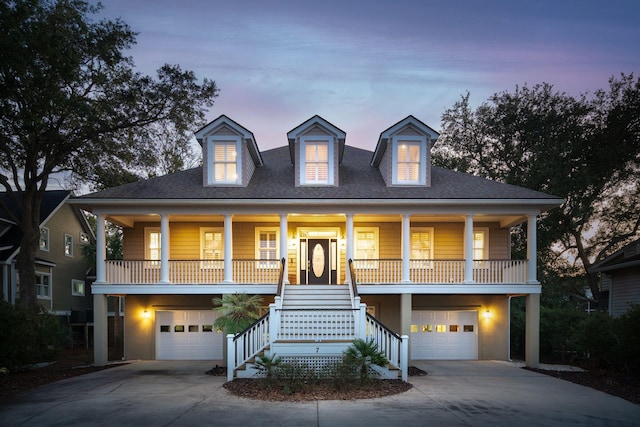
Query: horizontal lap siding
point(625, 290)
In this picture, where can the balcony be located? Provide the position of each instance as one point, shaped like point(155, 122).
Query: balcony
point(370, 271)
point(389, 271)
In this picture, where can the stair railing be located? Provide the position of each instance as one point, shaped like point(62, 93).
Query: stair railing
point(246, 344)
point(395, 347)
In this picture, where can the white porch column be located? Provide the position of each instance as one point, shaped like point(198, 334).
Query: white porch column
point(406, 248)
point(468, 249)
point(228, 249)
point(349, 236)
point(284, 245)
point(532, 249)
point(101, 249)
point(164, 248)
point(100, 330)
point(532, 331)
point(406, 307)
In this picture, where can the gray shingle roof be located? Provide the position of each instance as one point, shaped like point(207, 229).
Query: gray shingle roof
point(358, 180)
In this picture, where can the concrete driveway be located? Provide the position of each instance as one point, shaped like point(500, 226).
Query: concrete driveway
point(155, 393)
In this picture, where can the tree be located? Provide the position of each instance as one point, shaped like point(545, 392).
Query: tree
point(72, 103)
point(239, 311)
point(585, 149)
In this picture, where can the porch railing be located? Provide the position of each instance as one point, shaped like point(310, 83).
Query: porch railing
point(440, 271)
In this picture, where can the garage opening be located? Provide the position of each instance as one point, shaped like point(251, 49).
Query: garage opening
point(188, 335)
point(444, 335)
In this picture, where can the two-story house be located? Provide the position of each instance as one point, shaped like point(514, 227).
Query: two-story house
point(61, 266)
point(427, 250)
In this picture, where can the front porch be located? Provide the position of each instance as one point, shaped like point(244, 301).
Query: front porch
point(367, 272)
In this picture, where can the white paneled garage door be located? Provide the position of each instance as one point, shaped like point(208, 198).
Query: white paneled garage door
point(187, 335)
point(444, 335)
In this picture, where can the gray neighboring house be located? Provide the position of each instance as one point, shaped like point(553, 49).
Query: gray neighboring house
point(61, 267)
point(620, 278)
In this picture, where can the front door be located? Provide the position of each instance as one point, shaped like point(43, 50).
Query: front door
point(318, 261)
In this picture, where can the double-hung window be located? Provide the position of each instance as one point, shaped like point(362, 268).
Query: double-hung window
point(223, 161)
point(43, 285)
point(212, 247)
point(422, 247)
point(44, 239)
point(316, 165)
point(480, 247)
point(409, 160)
point(267, 243)
point(366, 247)
point(152, 246)
point(68, 245)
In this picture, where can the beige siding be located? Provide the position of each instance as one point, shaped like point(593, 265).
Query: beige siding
point(385, 166)
point(248, 166)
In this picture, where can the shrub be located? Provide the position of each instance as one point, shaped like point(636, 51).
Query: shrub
point(28, 336)
point(362, 355)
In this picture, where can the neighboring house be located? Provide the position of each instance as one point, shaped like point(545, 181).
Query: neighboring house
point(620, 278)
point(61, 267)
point(426, 249)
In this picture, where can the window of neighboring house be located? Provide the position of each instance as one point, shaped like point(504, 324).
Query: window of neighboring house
point(77, 288)
point(152, 241)
point(44, 239)
point(422, 247)
point(212, 247)
point(84, 238)
point(223, 162)
point(316, 165)
point(68, 245)
point(409, 159)
point(267, 245)
point(43, 285)
point(366, 247)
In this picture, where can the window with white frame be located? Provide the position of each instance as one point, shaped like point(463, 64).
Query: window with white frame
point(267, 247)
point(409, 160)
point(223, 162)
point(44, 239)
point(84, 238)
point(366, 247)
point(152, 242)
point(422, 247)
point(212, 247)
point(68, 245)
point(480, 247)
point(43, 285)
point(316, 165)
point(77, 288)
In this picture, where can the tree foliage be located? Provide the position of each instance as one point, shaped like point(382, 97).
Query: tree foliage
point(239, 311)
point(72, 103)
point(585, 149)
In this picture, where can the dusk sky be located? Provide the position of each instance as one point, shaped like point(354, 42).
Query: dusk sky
point(364, 65)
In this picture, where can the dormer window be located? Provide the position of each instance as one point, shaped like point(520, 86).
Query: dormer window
point(409, 161)
point(224, 160)
point(316, 165)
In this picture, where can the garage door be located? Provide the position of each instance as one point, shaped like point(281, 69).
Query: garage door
point(444, 335)
point(187, 335)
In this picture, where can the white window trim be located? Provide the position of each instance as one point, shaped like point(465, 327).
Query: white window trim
point(50, 285)
point(217, 264)
point(73, 291)
point(267, 264)
point(422, 174)
point(485, 250)
point(44, 248)
point(147, 250)
point(211, 173)
point(430, 230)
point(83, 238)
point(316, 139)
point(376, 237)
point(70, 237)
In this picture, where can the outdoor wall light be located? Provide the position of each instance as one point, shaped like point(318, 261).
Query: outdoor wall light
point(146, 314)
point(487, 314)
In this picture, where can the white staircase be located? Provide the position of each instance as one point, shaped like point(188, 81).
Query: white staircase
point(312, 325)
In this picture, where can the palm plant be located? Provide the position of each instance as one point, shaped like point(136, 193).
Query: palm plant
point(239, 311)
point(362, 355)
point(268, 364)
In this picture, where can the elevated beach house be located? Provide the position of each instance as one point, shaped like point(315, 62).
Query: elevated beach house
point(341, 242)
